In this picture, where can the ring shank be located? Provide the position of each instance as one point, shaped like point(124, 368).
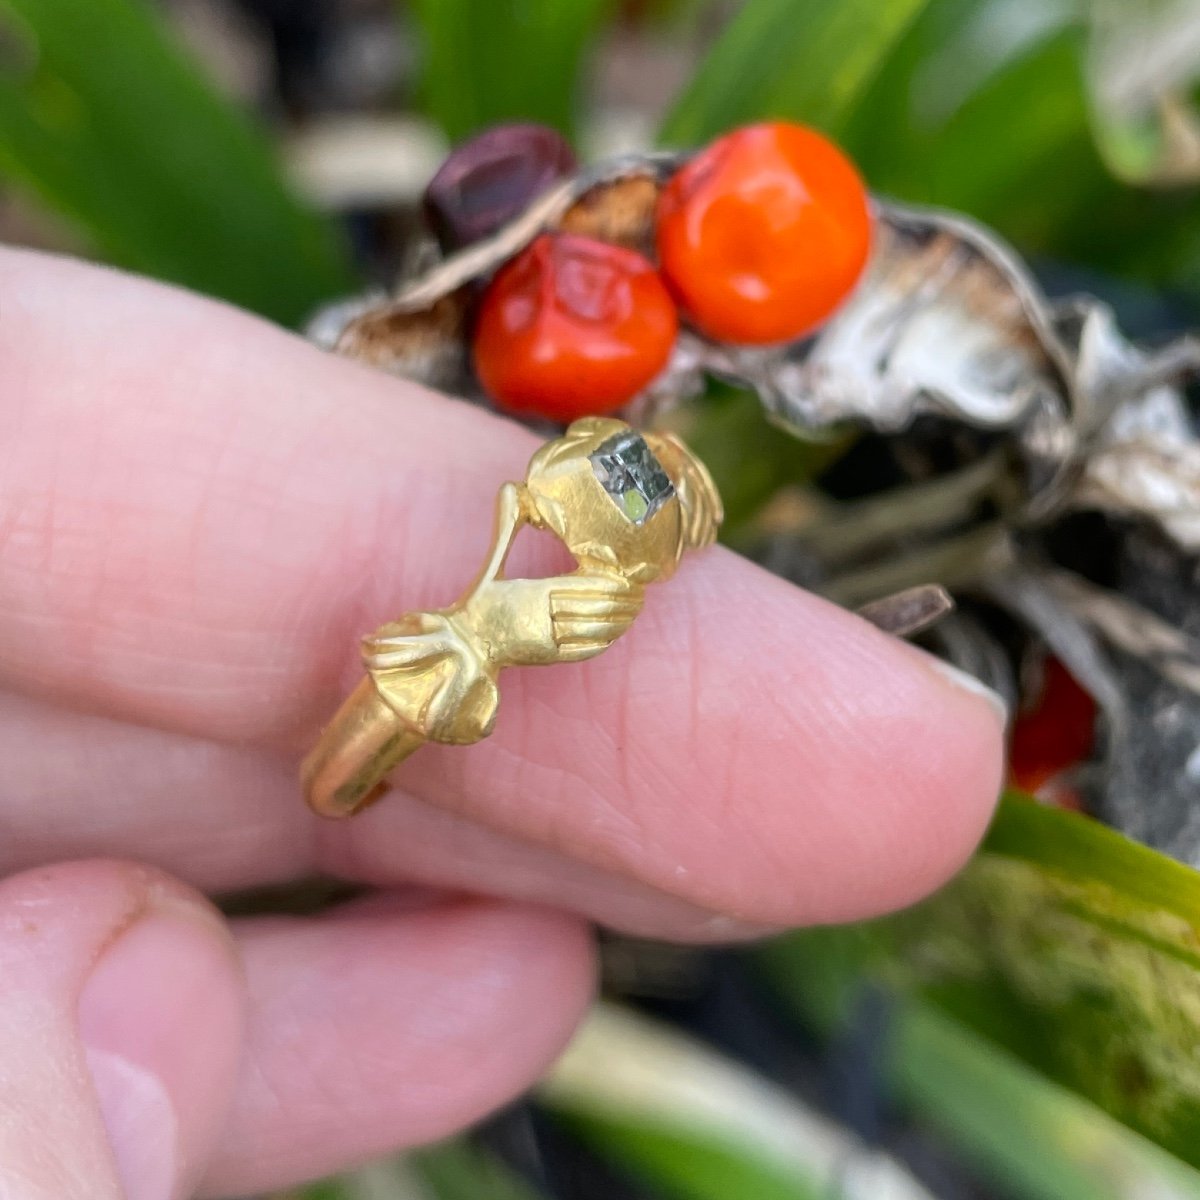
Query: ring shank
point(347, 768)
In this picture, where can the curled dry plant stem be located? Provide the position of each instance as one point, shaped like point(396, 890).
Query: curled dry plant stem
point(917, 510)
point(958, 563)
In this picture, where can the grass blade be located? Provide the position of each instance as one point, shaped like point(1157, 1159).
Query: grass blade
point(457, 1170)
point(1072, 953)
point(697, 1126)
point(451, 1170)
point(804, 59)
point(502, 60)
point(1037, 1139)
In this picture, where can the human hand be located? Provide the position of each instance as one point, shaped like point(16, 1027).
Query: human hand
point(199, 515)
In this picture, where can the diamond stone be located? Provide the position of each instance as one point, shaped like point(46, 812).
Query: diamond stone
point(632, 476)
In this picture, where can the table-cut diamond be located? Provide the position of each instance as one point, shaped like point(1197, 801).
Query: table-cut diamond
point(632, 476)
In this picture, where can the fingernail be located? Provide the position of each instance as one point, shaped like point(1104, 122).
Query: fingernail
point(157, 1002)
point(968, 683)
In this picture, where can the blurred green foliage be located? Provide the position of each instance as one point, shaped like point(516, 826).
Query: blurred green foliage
point(784, 58)
point(749, 459)
point(683, 1165)
point(457, 1170)
point(938, 100)
point(504, 60)
point(450, 1170)
point(1063, 964)
point(104, 117)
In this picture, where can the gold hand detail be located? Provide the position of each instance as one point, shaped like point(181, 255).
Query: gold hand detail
point(626, 505)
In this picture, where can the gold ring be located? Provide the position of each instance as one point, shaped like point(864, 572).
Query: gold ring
point(626, 505)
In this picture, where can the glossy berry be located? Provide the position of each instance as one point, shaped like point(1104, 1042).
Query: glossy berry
point(764, 233)
point(572, 327)
point(1056, 732)
point(491, 178)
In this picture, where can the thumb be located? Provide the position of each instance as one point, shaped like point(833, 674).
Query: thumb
point(120, 1022)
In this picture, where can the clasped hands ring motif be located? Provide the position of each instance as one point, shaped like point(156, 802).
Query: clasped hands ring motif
point(626, 504)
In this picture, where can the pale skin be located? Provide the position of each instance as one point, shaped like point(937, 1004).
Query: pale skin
point(200, 516)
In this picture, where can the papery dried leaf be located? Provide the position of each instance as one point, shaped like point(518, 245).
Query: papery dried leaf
point(1149, 478)
point(620, 211)
point(659, 1083)
point(1141, 457)
point(329, 322)
point(1153, 791)
point(1131, 628)
point(946, 321)
point(1106, 370)
point(965, 640)
point(1027, 593)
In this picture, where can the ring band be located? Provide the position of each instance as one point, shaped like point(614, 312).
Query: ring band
point(626, 505)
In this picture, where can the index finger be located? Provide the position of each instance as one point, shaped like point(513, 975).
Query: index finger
point(200, 515)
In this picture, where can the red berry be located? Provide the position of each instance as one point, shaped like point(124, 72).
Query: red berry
point(572, 327)
point(764, 233)
point(1057, 732)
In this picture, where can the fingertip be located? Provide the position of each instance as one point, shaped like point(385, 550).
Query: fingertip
point(121, 1020)
point(378, 1028)
point(945, 746)
point(791, 764)
point(895, 767)
point(161, 1018)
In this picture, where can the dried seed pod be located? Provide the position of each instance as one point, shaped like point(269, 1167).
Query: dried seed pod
point(430, 345)
point(403, 334)
point(947, 322)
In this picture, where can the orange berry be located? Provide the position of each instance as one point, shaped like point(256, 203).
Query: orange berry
point(572, 327)
point(764, 233)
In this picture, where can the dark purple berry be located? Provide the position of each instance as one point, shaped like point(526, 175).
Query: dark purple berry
point(488, 180)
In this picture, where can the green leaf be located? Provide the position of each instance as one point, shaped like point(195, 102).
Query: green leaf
point(1066, 963)
point(684, 1165)
point(325, 1189)
point(808, 60)
point(966, 115)
point(104, 118)
point(457, 1170)
point(450, 1170)
point(504, 60)
point(1011, 144)
point(1045, 1141)
point(694, 1125)
point(1004, 155)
